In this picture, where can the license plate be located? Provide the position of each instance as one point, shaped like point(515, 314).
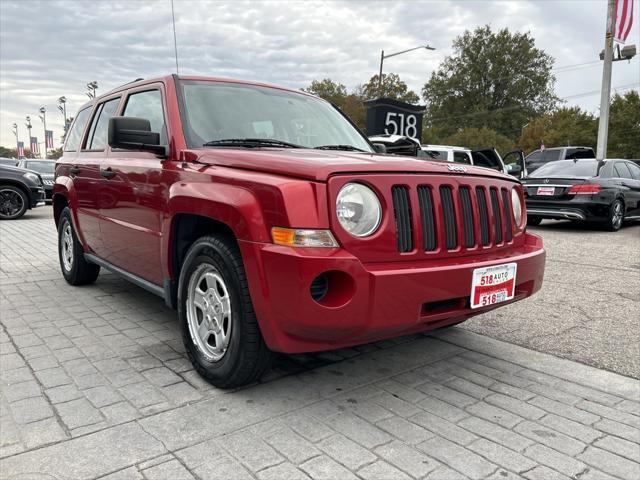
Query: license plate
point(546, 191)
point(491, 285)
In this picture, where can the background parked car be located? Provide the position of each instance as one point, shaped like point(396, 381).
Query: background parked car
point(512, 164)
point(12, 162)
point(46, 169)
point(20, 190)
point(539, 157)
point(607, 192)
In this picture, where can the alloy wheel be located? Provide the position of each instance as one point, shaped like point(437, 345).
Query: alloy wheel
point(11, 203)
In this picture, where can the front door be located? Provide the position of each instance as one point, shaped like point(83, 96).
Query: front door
point(134, 195)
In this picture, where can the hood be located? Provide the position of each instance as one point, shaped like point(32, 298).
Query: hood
point(319, 165)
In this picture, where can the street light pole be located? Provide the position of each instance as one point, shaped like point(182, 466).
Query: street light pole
point(28, 125)
point(92, 87)
point(43, 117)
point(605, 94)
point(15, 132)
point(383, 56)
point(62, 106)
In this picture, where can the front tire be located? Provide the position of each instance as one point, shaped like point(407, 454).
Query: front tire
point(13, 202)
point(219, 327)
point(616, 216)
point(75, 269)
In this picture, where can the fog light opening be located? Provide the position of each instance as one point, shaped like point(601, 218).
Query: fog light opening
point(332, 289)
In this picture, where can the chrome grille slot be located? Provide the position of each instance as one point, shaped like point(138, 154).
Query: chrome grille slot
point(484, 216)
point(506, 205)
point(467, 217)
point(402, 211)
point(425, 199)
point(497, 218)
point(449, 217)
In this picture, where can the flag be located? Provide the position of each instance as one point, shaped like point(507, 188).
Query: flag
point(622, 20)
point(542, 145)
point(48, 137)
point(34, 146)
point(20, 149)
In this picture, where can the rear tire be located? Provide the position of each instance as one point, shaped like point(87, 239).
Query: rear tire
point(616, 216)
point(13, 202)
point(75, 269)
point(219, 327)
point(533, 221)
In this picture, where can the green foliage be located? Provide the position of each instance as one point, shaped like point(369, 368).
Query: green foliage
point(497, 80)
point(8, 152)
point(329, 90)
point(562, 127)
point(475, 138)
point(392, 87)
point(624, 126)
point(55, 153)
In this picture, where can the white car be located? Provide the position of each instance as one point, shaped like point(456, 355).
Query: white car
point(487, 157)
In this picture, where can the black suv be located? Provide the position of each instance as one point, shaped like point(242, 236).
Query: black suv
point(539, 157)
point(20, 190)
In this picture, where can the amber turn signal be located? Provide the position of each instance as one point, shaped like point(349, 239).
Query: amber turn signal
point(298, 237)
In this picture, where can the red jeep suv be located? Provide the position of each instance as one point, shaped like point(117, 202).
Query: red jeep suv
point(272, 224)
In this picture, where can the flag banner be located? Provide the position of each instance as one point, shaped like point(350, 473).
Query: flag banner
point(34, 146)
point(622, 20)
point(542, 145)
point(48, 137)
point(20, 149)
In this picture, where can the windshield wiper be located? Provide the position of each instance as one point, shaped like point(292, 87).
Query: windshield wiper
point(340, 147)
point(250, 143)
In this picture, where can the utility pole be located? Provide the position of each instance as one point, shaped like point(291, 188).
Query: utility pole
point(43, 117)
point(605, 95)
point(28, 125)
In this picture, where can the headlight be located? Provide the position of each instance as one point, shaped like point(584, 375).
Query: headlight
point(516, 204)
point(358, 210)
point(32, 177)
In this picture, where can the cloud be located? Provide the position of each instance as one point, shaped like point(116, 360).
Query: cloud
point(53, 48)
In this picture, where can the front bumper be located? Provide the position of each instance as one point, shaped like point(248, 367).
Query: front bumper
point(37, 197)
point(370, 301)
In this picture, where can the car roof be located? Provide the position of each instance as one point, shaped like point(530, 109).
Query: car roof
point(445, 147)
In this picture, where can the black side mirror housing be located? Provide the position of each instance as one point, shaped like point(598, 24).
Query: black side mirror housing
point(379, 147)
point(133, 133)
point(514, 168)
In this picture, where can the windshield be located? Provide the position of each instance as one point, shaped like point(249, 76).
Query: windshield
point(41, 166)
point(567, 168)
point(216, 111)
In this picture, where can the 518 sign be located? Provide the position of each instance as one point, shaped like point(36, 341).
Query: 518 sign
point(397, 123)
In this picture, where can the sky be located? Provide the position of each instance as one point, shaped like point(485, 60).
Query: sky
point(53, 48)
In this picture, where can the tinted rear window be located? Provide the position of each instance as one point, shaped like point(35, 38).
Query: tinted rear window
point(580, 153)
point(569, 168)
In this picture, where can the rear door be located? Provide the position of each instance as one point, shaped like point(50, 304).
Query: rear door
point(626, 171)
point(514, 164)
point(135, 194)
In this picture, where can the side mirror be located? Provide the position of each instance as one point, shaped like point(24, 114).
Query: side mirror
point(379, 148)
point(514, 168)
point(132, 133)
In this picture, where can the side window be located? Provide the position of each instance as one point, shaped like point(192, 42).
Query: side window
point(97, 138)
point(635, 170)
point(148, 105)
point(622, 167)
point(549, 155)
point(437, 154)
point(616, 170)
point(537, 155)
point(461, 157)
point(75, 134)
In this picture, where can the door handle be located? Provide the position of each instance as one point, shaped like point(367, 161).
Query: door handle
point(107, 172)
point(74, 170)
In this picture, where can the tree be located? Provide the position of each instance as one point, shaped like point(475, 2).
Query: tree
point(624, 126)
point(55, 153)
point(336, 93)
point(564, 126)
point(392, 87)
point(8, 152)
point(495, 80)
point(475, 138)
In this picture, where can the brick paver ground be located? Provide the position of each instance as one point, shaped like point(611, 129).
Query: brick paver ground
point(95, 384)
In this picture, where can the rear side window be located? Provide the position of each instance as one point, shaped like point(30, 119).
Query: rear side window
point(549, 155)
point(97, 139)
point(622, 171)
point(461, 157)
point(437, 154)
point(148, 105)
point(580, 153)
point(537, 155)
point(75, 134)
point(635, 170)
